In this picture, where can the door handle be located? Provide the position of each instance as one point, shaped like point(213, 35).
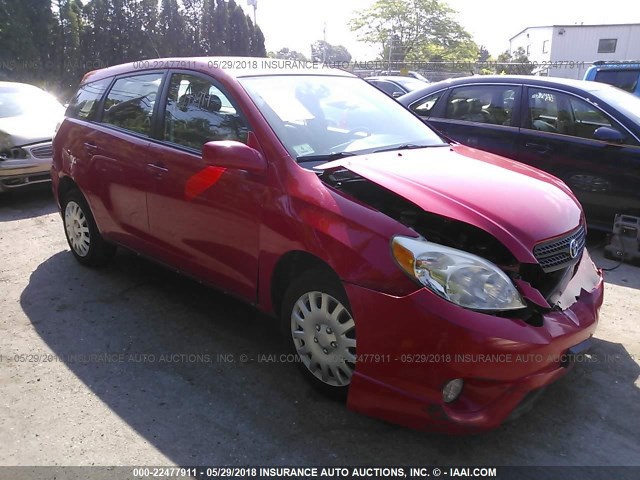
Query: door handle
point(538, 147)
point(157, 167)
point(91, 148)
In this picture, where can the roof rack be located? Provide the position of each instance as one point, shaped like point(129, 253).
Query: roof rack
point(617, 62)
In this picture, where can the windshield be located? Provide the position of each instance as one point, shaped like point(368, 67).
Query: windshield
point(16, 101)
point(317, 116)
point(624, 102)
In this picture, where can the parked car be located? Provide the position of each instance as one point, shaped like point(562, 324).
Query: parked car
point(585, 133)
point(396, 86)
point(28, 118)
point(624, 75)
point(434, 286)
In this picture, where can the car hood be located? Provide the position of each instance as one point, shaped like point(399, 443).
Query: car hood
point(519, 205)
point(27, 129)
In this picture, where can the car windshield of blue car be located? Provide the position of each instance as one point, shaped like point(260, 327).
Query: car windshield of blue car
point(319, 115)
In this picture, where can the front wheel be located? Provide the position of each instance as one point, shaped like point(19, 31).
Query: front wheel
point(85, 241)
point(319, 328)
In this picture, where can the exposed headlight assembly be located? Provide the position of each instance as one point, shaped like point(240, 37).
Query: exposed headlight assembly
point(459, 277)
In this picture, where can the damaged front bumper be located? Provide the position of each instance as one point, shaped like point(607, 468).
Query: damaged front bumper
point(412, 346)
point(27, 165)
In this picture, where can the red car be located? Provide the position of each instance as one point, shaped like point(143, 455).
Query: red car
point(431, 285)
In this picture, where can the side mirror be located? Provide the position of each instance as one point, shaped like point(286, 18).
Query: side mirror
point(235, 155)
point(609, 135)
point(397, 94)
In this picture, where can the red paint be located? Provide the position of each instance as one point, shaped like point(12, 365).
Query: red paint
point(230, 227)
point(201, 181)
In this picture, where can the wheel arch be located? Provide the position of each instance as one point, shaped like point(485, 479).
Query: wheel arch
point(289, 267)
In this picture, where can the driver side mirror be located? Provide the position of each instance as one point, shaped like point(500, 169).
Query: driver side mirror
point(235, 155)
point(609, 135)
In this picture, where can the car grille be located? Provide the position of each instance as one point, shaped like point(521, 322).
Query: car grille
point(556, 254)
point(43, 151)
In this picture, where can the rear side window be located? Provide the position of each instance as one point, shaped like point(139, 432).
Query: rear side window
point(491, 104)
point(624, 79)
point(85, 102)
point(130, 102)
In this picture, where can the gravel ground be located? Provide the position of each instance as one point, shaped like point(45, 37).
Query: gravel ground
point(61, 406)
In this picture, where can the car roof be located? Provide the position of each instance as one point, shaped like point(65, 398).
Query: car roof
point(237, 67)
point(574, 86)
point(393, 78)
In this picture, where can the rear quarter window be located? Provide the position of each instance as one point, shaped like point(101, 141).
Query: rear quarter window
point(85, 102)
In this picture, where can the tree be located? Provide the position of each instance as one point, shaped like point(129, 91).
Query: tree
point(516, 63)
point(172, 28)
point(257, 46)
point(322, 51)
point(411, 30)
point(238, 33)
point(286, 54)
point(221, 27)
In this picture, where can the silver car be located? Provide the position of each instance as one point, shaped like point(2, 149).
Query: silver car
point(28, 119)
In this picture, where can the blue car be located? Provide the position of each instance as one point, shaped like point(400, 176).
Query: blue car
point(624, 75)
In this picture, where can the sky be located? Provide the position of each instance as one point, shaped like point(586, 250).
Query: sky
point(296, 24)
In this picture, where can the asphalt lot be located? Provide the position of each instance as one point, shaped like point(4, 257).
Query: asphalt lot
point(183, 396)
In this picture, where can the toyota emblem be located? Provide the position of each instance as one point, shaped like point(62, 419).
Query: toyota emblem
point(573, 248)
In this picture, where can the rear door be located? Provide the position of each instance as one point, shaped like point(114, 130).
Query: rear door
point(113, 172)
point(204, 219)
point(480, 116)
point(558, 136)
point(119, 146)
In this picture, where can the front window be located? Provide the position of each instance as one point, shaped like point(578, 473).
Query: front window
point(198, 112)
point(323, 116)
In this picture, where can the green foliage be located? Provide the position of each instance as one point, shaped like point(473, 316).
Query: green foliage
point(322, 51)
point(286, 54)
point(516, 63)
point(55, 45)
point(414, 30)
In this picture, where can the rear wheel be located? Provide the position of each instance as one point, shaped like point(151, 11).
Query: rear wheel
point(84, 239)
point(319, 328)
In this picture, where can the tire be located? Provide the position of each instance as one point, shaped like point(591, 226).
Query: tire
point(83, 237)
point(319, 329)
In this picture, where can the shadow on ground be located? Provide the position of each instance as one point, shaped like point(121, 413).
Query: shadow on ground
point(202, 408)
point(27, 202)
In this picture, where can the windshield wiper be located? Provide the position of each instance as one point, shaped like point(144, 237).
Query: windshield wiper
point(326, 157)
point(408, 146)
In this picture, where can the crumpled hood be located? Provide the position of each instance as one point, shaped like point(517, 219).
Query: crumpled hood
point(517, 204)
point(27, 129)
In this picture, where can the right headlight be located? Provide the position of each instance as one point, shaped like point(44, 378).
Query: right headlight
point(457, 276)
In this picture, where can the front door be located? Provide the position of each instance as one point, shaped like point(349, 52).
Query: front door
point(558, 136)
point(204, 219)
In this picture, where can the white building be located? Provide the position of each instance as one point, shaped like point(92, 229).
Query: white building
point(568, 50)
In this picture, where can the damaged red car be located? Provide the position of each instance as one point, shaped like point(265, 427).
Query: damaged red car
point(429, 284)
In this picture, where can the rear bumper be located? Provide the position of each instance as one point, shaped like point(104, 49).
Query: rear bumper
point(412, 346)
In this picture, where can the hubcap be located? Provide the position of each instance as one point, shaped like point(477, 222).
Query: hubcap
point(324, 336)
point(77, 228)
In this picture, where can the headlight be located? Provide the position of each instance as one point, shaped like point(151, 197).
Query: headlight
point(459, 277)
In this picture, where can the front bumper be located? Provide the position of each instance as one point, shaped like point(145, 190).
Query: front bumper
point(34, 168)
point(410, 347)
